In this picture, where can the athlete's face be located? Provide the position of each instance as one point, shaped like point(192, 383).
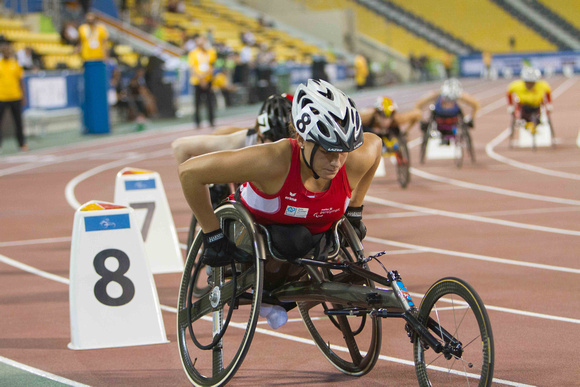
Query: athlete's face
point(384, 121)
point(530, 85)
point(325, 164)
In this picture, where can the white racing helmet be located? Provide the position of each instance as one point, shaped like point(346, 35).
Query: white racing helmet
point(324, 115)
point(451, 89)
point(530, 74)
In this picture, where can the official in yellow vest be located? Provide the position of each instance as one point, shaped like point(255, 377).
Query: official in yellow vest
point(201, 62)
point(12, 93)
point(93, 39)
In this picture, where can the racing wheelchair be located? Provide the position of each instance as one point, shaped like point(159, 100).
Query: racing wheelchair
point(447, 129)
point(526, 118)
point(396, 146)
point(340, 301)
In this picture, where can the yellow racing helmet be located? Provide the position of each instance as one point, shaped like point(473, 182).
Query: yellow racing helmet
point(386, 106)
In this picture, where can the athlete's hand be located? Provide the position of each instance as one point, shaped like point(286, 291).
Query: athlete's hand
point(218, 250)
point(510, 109)
point(549, 107)
point(354, 216)
point(468, 120)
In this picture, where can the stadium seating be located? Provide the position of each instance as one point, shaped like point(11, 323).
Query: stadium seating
point(50, 46)
point(482, 24)
point(569, 10)
point(227, 25)
point(377, 28)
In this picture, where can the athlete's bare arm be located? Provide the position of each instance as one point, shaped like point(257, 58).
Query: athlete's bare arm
point(227, 130)
point(471, 101)
point(361, 165)
point(186, 147)
point(366, 116)
point(265, 165)
point(428, 99)
point(406, 120)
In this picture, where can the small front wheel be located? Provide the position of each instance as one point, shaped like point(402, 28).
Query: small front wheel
point(455, 315)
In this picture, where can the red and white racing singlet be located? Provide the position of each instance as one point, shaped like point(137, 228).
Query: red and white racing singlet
point(294, 204)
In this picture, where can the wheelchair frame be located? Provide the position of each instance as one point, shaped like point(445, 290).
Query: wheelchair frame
point(351, 292)
point(462, 140)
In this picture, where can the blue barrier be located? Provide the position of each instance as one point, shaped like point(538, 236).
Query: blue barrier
point(472, 65)
point(63, 89)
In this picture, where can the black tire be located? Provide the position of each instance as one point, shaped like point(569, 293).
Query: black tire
point(469, 144)
point(200, 287)
point(459, 149)
point(216, 366)
point(426, 136)
point(403, 163)
point(453, 305)
point(352, 332)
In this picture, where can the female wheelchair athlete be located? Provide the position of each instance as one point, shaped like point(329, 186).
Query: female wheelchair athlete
point(339, 303)
point(448, 129)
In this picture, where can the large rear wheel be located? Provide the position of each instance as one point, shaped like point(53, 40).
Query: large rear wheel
point(453, 312)
point(215, 330)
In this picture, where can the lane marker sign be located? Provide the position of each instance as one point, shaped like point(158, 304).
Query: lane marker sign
point(112, 293)
point(543, 136)
point(143, 191)
point(436, 151)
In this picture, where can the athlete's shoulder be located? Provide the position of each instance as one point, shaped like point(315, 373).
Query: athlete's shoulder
point(544, 85)
point(515, 85)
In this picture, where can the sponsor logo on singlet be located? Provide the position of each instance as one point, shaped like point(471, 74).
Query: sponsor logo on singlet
point(296, 212)
point(291, 197)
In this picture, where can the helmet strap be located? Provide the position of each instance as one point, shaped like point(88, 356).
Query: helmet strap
point(309, 165)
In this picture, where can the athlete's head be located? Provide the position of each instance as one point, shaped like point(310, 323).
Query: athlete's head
point(386, 106)
point(324, 117)
point(274, 119)
point(530, 75)
point(451, 89)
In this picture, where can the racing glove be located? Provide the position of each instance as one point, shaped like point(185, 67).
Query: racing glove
point(354, 216)
point(511, 109)
point(468, 120)
point(218, 250)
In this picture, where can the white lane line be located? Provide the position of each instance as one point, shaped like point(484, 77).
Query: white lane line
point(69, 190)
point(296, 338)
point(138, 143)
point(478, 257)
point(489, 149)
point(35, 241)
point(473, 218)
point(334, 347)
point(483, 213)
point(33, 270)
point(41, 373)
point(495, 190)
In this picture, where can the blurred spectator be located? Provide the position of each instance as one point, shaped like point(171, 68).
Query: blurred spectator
point(448, 64)
point(361, 71)
point(512, 43)
point(221, 83)
point(28, 59)
point(265, 22)
point(243, 64)
point(176, 6)
point(422, 63)
point(12, 93)
point(69, 33)
point(189, 42)
point(201, 61)
point(85, 5)
point(209, 35)
point(141, 103)
point(486, 59)
point(93, 38)
point(248, 38)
